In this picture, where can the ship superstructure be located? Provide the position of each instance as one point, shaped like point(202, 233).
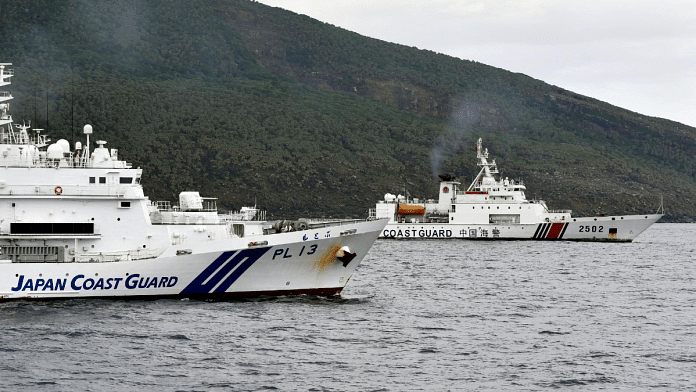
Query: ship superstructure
point(74, 222)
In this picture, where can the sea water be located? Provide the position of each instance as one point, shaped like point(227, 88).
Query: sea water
point(418, 315)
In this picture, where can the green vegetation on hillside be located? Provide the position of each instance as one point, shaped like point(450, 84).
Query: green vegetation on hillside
point(244, 101)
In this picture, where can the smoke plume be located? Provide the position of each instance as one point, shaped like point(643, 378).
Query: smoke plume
point(465, 115)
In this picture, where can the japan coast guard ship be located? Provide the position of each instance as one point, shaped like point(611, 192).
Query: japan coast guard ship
point(76, 224)
point(497, 209)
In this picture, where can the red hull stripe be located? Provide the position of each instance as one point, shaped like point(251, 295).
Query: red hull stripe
point(555, 231)
point(550, 231)
point(563, 232)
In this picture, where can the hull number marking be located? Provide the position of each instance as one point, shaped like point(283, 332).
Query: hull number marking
point(286, 252)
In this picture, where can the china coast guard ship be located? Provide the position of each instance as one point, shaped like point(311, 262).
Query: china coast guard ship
point(495, 209)
point(76, 224)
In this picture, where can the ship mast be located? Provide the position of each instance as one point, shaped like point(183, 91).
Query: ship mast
point(487, 169)
point(5, 117)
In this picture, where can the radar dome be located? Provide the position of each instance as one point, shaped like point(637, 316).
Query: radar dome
point(54, 151)
point(64, 144)
point(87, 129)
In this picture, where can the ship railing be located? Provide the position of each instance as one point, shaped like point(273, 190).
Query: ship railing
point(163, 206)
point(561, 212)
point(64, 190)
point(183, 218)
point(68, 162)
point(321, 223)
point(166, 206)
point(241, 216)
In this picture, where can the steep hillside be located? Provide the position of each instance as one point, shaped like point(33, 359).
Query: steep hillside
point(245, 101)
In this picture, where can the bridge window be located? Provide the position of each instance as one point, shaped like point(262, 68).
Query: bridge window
point(92, 180)
point(51, 228)
point(125, 180)
point(102, 180)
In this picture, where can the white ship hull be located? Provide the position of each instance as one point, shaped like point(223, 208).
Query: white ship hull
point(291, 263)
point(605, 228)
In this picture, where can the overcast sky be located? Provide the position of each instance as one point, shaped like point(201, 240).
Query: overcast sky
point(636, 54)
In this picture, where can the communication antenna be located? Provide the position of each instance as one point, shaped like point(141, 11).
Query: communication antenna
point(37, 120)
point(46, 102)
point(72, 104)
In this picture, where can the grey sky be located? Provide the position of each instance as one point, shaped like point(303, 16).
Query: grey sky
point(639, 55)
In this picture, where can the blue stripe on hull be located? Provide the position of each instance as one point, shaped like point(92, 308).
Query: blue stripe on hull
point(218, 270)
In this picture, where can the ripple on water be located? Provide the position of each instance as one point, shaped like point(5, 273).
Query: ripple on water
point(422, 315)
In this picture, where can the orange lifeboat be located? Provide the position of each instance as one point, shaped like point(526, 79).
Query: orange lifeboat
point(405, 209)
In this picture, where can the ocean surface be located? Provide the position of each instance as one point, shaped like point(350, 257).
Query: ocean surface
point(432, 315)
